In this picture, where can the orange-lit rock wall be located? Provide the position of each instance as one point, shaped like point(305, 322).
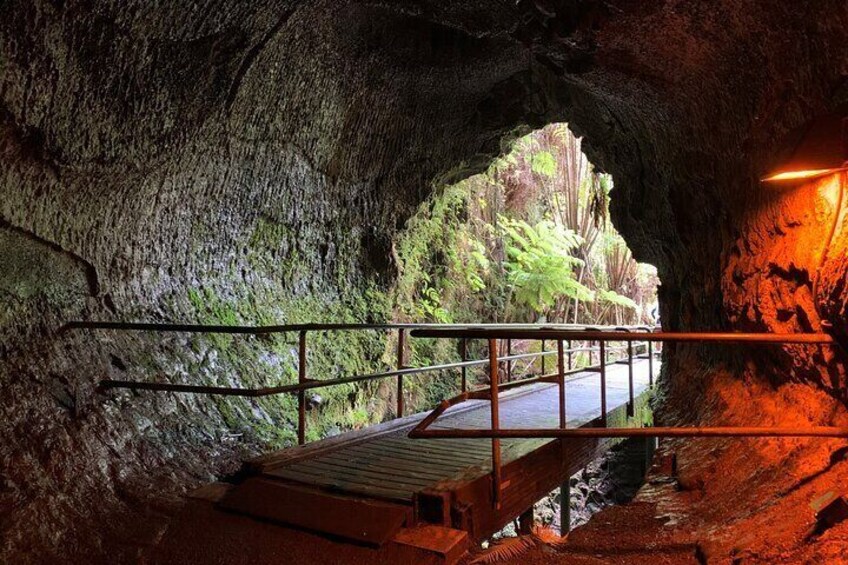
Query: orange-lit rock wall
point(784, 269)
point(688, 107)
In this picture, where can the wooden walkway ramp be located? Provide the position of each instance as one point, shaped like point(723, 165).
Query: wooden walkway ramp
point(367, 485)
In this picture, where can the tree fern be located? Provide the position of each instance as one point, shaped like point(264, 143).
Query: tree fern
point(540, 263)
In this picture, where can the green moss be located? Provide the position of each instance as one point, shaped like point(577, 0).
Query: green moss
point(274, 282)
point(269, 235)
point(258, 361)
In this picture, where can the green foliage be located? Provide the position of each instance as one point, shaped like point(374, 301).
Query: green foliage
point(429, 305)
point(513, 245)
point(540, 263)
point(439, 257)
point(614, 298)
point(226, 360)
point(543, 163)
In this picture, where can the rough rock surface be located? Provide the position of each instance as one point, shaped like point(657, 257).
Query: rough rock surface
point(251, 161)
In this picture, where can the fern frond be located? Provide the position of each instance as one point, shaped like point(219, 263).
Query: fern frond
point(549, 536)
point(504, 550)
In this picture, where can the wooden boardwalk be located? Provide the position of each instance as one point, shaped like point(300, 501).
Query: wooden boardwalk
point(380, 474)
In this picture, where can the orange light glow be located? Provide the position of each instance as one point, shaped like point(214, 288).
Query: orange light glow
point(802, 174)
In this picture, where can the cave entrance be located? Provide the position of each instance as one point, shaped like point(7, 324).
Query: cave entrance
point(528, 240)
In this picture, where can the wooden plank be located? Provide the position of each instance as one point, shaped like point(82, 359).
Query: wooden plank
point(210, 492)
point(432, 460)
point(449, 544)
point(335, 484)
point(448, 449)
point(397, 467)
point(375, 523)
point(381, 452)
point(258, 465)
point(407, 459)
point(308, 472)
point(429, 450)
point(360, 473)
point(363, 474)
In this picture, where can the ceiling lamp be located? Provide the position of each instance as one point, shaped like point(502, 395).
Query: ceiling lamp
point(823, 150)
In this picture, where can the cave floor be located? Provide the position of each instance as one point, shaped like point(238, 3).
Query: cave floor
point(642, 532)
point(202, 535)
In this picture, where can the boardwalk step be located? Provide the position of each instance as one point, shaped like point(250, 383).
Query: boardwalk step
point(363, 521)
point(446, 543)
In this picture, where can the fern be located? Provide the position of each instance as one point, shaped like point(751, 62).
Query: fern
point(544, 163)
point(540, 264)
point(506, 549)
point(615, 298)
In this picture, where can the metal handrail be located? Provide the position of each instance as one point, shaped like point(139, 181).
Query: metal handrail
point(292, 328)
point(309, 384)
point(304, 382)
point(495, 433)
point(603, 336)
point(314, 383)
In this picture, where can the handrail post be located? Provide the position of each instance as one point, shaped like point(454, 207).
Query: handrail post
point(589, 347)
point(301, 396)
point(464, 370)
point(565, 508)
point(400, 363)
point(543, 357)
point(496, 443)
point(631, 404)
point(603, 348)
point(570, 356)
point(561, 365)
point(509, 361)
point(651, 364)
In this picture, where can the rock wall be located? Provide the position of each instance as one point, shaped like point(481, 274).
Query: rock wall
point(221, 163)
point(252, 161)
point(688, 106)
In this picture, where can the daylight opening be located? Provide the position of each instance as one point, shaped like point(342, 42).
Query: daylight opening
point(529, 240)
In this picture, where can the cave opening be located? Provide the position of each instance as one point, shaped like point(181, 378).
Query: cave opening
point(528, 240)
point(541, 201)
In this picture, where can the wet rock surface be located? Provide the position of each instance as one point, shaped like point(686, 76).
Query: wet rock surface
point(610, 480)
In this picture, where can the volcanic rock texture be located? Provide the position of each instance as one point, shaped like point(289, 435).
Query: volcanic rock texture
point(252, 161)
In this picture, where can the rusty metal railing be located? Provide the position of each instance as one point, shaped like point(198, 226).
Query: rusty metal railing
point(495, 433)
point(304, 383)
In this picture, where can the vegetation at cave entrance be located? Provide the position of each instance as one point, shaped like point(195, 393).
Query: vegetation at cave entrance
point(528, 240)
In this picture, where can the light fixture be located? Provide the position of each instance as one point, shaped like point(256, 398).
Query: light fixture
point(823, 150)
